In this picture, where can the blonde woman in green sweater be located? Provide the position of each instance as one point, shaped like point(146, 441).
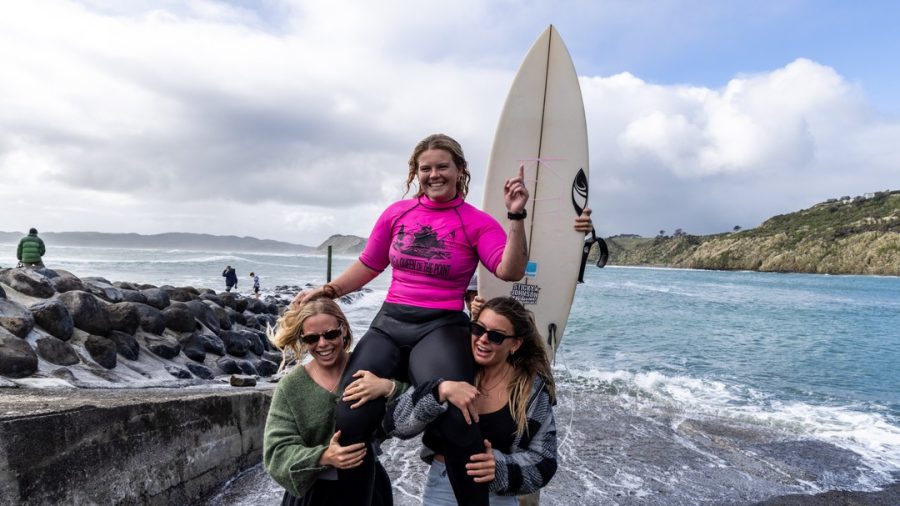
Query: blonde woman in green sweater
point(300, 448)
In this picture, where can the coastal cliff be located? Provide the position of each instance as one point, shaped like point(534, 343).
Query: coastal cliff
point(841, 236)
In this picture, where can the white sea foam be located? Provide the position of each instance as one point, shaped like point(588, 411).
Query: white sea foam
point(872, 434)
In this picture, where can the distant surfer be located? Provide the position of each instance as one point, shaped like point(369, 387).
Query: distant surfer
point(421, 332)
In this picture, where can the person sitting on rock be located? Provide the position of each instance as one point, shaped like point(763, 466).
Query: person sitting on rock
point(31, 249)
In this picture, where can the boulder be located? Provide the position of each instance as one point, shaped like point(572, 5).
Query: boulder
point(125, 285)
point(125, 317)
point(192, 347)
point(222, 315)
point(64, 374)
point(152, 319)
point(239, 380)
point(17, 358)
point(179, 318)
point(133, 296)
point(256, 306)
point(178, 372)
point(204, 314)
point(265, 368)
point(65, 281)
point(103, 289)
point(200, 371)
point(163, 346)
point(56, 351)
point(28, 282)
point(2, 293)
point(182, 293)
point(15, 318)
point(228, 365)
point(273, 356)
point(156, 297)
point(212, 297)
point(247, 367)
point(273, 309)
point(53, 316)
point(240, 304)
point(250, 321)
point(212, 344)
point(235, 317)
point(256, 344)
point(102, 350)
point(236, 342)
point(229, 300)
point(126, 344)
point(89, 314)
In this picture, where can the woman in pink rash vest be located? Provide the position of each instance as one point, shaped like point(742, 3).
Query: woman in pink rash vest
point(433, 242)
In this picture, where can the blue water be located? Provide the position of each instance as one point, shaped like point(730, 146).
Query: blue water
point(812, 354)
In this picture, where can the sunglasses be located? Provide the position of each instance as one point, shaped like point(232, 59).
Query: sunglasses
point(494, 336)
point(329, 335)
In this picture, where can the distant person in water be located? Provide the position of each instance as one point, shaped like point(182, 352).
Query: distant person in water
point(255, 279)
point(31, 249)
point(230, 278)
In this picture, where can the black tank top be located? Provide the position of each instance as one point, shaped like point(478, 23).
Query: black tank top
point(498, 427)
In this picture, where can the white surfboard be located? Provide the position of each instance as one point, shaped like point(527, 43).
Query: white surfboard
point(543, 127)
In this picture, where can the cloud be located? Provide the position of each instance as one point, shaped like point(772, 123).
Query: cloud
point(292, 117)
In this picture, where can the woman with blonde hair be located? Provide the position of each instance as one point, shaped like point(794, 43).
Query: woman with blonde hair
point(300, 447)
point(511, 401)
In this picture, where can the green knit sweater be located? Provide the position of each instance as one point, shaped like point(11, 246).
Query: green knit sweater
point(298, 430)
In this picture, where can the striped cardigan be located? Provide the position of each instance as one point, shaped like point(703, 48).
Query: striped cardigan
point(530, 465)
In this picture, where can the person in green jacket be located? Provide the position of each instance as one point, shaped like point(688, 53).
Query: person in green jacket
point(300, 446)
point(31, 249)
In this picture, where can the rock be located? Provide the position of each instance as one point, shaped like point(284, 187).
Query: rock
point(56, 351)
point(250, 321)
point(212, 297)
point(273, 310)
point(229, 300)
point(256, 345)
point(200, 371)
point(212, 344)
point(272, 356)
point(89, 314)
point(64, 374)
point(124, 317)
point(103, 289)
point(236, 342)
point(256, 306)
point(178, 372)
point(247, 367)
point(15, 318)
point(134, 296)
point(235, 317)
point(102, 350)
point(53, 316)
point(17, 358)
point(156, 297)
point(243, 381)
point(2, 293)
point(125, 285)
point(152, 319)
point(28, 282)
point(204, 314)
point(265, 368)
point(126, 344)
point(240, 304)
point(65, 281)
point(192, 347)
point(222, 315)
point(179, 318)
point(228, 365)
point(182, 293)
point(163, 346)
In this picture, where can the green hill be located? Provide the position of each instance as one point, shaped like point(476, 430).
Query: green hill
point(847, 236)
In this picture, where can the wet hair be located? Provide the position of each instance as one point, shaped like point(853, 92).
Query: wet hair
point(528, 361)
point(286, 334)
point(448, 144)
point(32, 230)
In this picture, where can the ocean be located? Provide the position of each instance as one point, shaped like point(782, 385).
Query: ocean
point(675, 386)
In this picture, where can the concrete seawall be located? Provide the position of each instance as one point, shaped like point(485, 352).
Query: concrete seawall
point(126, 446)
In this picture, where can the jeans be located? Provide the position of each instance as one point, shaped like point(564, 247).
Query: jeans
point(439, 493)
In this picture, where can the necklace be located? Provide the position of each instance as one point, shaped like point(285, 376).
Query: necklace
point(485, 389)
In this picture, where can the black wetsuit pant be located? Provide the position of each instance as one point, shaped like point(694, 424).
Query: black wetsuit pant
point(325, 492)
point(415, 344)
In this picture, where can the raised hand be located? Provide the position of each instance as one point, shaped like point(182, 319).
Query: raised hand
point(515, 193)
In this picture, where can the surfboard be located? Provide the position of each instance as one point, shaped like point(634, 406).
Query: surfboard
point(542, 126)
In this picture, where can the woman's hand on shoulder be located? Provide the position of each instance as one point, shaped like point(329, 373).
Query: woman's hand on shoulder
point(342, 457)
point(483, 466)
point(462, 395)
point(366, 387)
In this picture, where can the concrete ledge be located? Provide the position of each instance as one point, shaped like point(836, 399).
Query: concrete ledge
point(156, 446)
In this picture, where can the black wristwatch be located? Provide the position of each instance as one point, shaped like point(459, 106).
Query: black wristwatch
point(517, 216)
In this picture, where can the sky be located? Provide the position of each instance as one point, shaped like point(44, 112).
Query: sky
point(293, 120)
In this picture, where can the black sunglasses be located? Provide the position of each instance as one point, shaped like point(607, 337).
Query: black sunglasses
point(329, 335)
point(494, 336)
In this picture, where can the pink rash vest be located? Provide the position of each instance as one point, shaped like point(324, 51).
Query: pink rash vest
point(433, 249)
